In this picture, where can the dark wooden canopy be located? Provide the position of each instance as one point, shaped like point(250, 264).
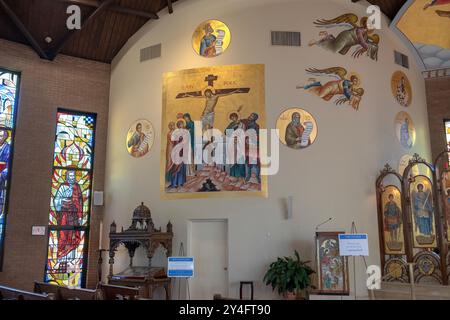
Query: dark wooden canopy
point(106, 24)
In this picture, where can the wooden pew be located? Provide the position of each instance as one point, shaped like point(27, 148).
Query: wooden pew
point(77, 294)
point(63, 293)
point(49, 289)
point(7, 293)
point(111, 292)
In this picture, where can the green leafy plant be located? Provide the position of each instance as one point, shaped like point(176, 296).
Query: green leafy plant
point(289, 275)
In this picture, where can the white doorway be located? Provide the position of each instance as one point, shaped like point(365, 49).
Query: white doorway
point(208, 244)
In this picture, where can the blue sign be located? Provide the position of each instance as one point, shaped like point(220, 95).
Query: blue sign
point(180, 267)
point(353, 245)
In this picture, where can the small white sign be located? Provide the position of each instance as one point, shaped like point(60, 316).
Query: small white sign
point(180, 267)
point(38, 231)
point(354, 245)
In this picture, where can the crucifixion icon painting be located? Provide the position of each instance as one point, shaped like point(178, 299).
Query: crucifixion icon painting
point(223, 98)
point(211, 97)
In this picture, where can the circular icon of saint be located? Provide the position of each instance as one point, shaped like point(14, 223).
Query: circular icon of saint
point(297, 128)
point(211, 38)
point(401, 88)
point(140, 138)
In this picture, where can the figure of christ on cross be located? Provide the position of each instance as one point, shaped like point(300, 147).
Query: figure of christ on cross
point(211, 97)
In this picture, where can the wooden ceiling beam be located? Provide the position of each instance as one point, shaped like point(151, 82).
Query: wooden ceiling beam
point(102, 7)
point(18, 23)
point(115, 8)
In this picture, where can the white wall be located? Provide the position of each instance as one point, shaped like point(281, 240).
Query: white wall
point(335, 177)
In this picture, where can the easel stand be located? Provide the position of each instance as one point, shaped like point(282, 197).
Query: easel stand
point(181, 254)
point(355, 231)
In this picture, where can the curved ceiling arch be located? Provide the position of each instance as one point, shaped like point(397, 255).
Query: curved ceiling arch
point(425, 24)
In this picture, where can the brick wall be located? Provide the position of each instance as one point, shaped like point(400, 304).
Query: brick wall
point(438, 101)
point(70, 83)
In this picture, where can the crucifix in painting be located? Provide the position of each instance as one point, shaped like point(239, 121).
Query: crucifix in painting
point(231, 98)
point(211, 97)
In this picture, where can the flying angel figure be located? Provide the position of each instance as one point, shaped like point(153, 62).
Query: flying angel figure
point(347, 89)
point(359, 35)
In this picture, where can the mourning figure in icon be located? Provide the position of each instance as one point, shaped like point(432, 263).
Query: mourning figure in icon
point(191, 128)
point(236, 170)
point(393, 221)
point(360, 36)
point(177, 172)
point(295, 133)
point(252, 144)
point(423, 211)
point(346, 88)
point(169, 148)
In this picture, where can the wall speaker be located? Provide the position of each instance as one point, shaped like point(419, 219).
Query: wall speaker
point(98, 198)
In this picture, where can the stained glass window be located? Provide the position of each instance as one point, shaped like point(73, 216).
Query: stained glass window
point(9, 86)
point(70, 198)
point(447, 133)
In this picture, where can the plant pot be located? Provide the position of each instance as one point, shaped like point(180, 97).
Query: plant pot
point(301, 295)
point(290, 296)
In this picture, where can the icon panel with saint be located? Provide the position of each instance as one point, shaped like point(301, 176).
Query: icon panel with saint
point(393, 220)
point(422, 212)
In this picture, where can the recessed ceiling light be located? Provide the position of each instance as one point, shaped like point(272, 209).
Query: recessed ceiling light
point(48, 39)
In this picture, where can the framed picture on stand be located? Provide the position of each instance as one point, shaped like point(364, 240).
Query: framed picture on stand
point(332, 269)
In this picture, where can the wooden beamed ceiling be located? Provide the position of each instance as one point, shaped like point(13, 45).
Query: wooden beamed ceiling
point(106, 24)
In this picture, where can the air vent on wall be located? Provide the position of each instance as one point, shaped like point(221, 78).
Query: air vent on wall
point(401, 59)
point(151, 52)
point(286, 38)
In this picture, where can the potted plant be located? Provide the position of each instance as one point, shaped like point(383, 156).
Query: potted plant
point(290, 276)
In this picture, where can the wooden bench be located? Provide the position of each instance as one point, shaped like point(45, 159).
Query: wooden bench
point(7, 293)
point(111, 292)
point(63, 293)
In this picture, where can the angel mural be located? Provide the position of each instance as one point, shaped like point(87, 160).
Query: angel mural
point(359, 36)
point(346, 87)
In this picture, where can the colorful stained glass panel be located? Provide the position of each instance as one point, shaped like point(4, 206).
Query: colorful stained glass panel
point(70, 198)
point(69, 204)
point(65, 258)
point(8, 91)
point(74, 141)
